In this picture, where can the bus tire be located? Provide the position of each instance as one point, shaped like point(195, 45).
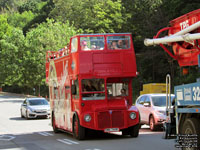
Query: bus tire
point(55, 129)
point(134, 131)
point(78, 130)
point(191, 126)
point(125, 132)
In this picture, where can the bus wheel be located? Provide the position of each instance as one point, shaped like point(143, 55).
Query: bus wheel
point(55, 129)
point(191, 126)
point(134, 131)
point(78, 130)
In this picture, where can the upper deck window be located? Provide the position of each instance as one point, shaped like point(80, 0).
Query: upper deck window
point(74, 45)
point(118, 42)
point(92, 43)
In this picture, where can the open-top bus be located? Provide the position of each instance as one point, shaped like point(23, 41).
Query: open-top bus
point(90, 85)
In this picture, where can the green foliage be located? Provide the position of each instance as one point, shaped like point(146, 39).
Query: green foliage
point(26, 34)
point(18, 20)
point(29, 6)
point(97, 16)
point(44, 8)
point(4, 26)
point(11, 61)
point(47, 36)
point(23, 58)
point(176, 8)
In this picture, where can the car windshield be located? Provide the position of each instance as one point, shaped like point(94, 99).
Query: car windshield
point(160, 100)
point(38, 102)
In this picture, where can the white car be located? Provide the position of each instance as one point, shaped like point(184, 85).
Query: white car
point(35, 107)
point(152, 108)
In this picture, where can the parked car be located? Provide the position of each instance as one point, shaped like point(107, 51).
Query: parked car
point(152, 108)
point(35, 107)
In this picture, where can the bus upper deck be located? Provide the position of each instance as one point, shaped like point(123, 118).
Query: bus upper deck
point(97, 55)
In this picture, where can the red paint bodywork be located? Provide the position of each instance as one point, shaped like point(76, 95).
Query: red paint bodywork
point(186, 53)
point(110, 65)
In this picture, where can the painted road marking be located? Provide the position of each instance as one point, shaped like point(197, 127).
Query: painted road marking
point(45, 133)
point(6, 138)
point(93, 149)
point(15, 148)
point(150, 132)
point(67, 141)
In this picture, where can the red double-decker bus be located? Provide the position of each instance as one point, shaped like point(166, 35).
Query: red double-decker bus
point(90, 85)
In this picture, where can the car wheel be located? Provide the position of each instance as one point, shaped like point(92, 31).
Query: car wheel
point(21, 114)
point(152, 124)
point(78, 130)
point(27, 115)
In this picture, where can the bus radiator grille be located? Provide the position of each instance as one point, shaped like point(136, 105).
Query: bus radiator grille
point(110, 119)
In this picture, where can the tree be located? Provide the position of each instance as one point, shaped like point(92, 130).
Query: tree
point(44, 8)
point(18, 20)
point(23, 58)
point(29, 5)
point(93, 16)
point(4, 26)
point(47, 36)
point(12, 56)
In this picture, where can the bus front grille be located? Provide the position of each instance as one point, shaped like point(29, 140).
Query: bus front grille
point(110, 119)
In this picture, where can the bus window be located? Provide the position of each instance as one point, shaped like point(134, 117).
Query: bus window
point(93, 89)
point(118, 42)
point(74, 45)
point(117, 89)
point(76, 89)
point(92, 43)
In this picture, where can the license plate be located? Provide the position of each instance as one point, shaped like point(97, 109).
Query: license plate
point(111, 130)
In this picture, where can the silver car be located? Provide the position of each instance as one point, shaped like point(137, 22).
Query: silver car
point(152, 108)
point(35, 107)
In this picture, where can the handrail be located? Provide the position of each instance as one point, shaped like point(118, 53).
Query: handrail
point(168, 93)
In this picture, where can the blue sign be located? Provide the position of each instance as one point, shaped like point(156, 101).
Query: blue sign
point(188, 94)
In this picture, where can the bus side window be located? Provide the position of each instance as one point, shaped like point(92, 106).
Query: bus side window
point(75, 89)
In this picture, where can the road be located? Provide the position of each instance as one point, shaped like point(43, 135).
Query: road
point(17, 133)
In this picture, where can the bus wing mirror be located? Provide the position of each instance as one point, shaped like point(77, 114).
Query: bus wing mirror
point(73, 88)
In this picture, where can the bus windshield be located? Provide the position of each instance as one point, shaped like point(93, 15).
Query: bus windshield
point(92, 43)
point(93, 89)
point(115, 90)
point(118, 42)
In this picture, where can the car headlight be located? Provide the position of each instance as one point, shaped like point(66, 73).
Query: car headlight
point(160, 112)
point(132, 115)
point(87, 118)
point(29, 109)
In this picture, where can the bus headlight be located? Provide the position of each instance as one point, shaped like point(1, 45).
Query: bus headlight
point(132, 115)
point(87, 118)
